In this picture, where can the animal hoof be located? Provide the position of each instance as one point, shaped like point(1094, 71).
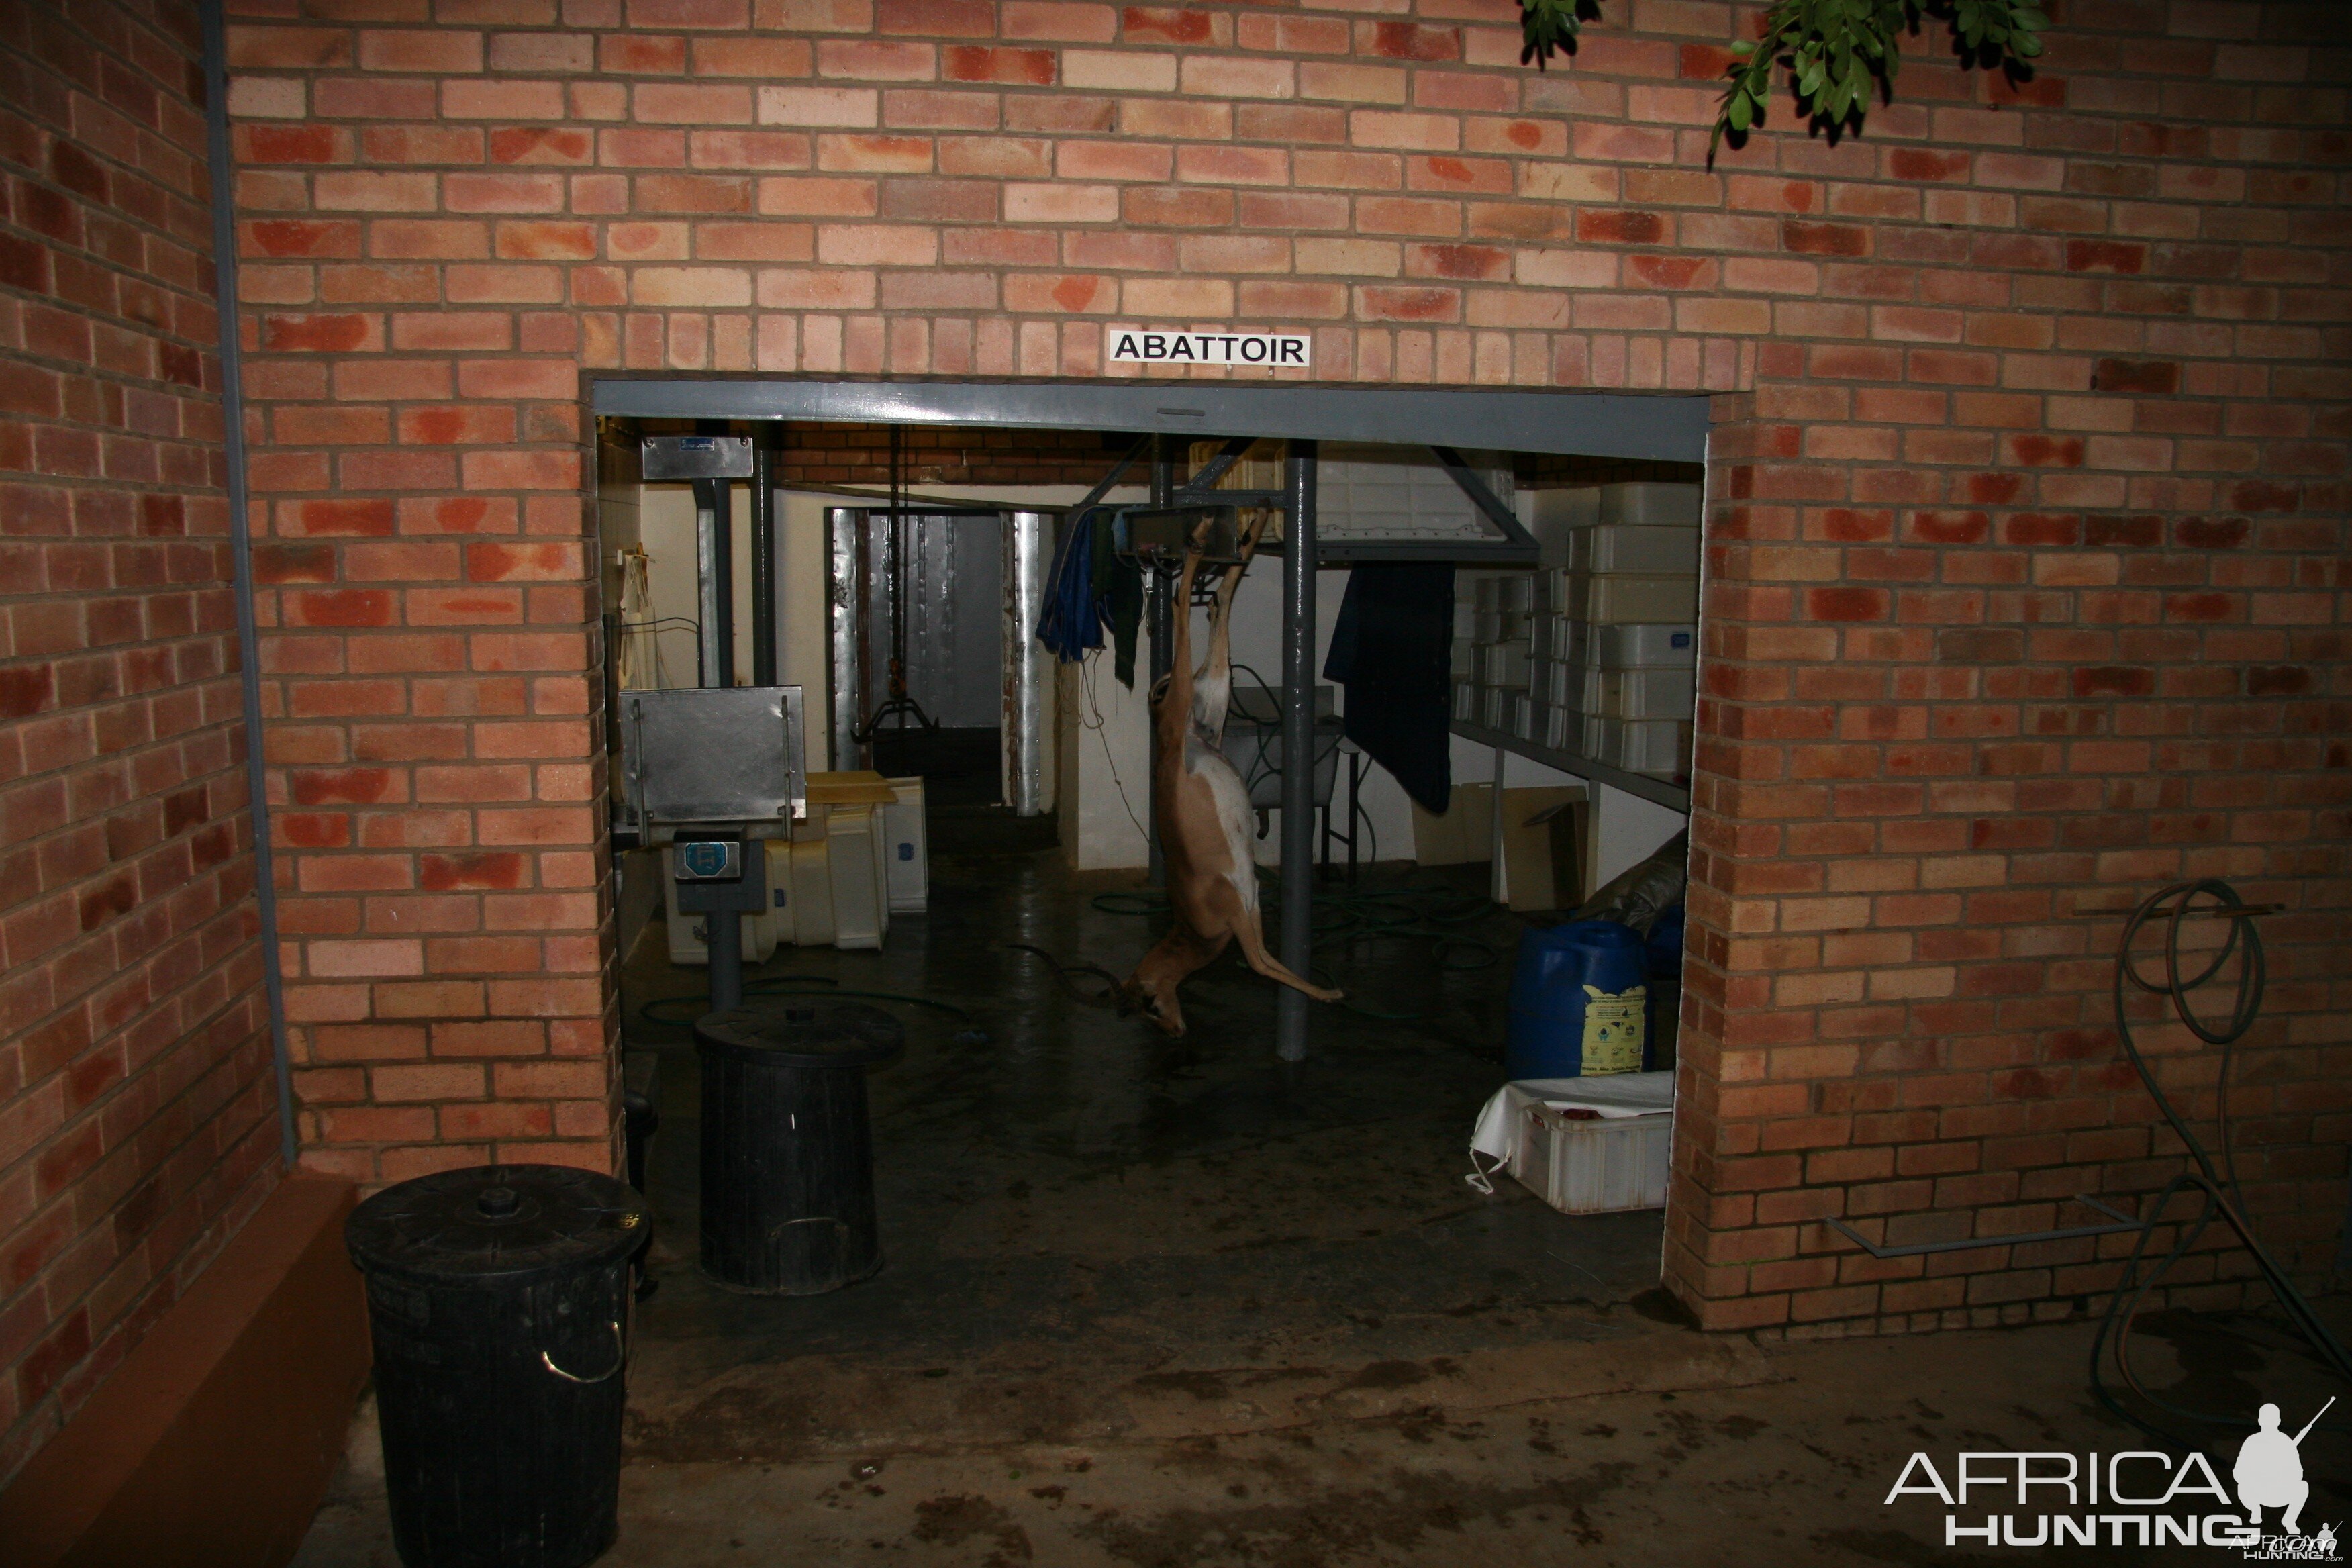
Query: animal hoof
point(1333, 995)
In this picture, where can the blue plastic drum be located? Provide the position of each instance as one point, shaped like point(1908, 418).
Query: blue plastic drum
point(1665, 956)
point(1579, 1004)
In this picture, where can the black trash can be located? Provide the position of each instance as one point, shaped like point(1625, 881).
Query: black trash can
point(787, 1151)
point(498, 1302)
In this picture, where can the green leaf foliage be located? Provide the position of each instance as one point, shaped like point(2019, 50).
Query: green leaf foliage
point(1836, 52)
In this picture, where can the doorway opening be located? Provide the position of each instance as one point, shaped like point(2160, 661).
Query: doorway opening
point(1091, 1228)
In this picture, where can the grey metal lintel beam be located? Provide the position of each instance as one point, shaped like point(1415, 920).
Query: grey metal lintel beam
point(1662, 427)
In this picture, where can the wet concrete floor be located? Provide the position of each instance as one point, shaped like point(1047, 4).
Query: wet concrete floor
point(1153, 1301)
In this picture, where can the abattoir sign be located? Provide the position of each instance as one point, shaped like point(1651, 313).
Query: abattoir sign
point(1274, 351)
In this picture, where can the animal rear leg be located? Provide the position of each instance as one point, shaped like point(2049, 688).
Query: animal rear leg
point(1253, 940)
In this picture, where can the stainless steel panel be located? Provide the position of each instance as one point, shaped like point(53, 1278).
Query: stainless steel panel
point(698, 457)
point(1029, 720)
point(846, 617)
point(951, 568)
point(712, 755)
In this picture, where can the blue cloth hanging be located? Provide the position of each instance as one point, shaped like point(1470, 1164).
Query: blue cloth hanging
point(1070, 623)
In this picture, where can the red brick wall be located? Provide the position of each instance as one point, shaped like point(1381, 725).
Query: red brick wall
point(2026, 559)
point(137, 1111)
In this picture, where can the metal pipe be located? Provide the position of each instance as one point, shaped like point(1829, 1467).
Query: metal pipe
point(2019, 1238)
point(1160, 611)
point(845, 635)
point(222, 172)
point(1298, 750)
point(723, 942)
point(715, 630)
point(763, 563)
point(1028, 716)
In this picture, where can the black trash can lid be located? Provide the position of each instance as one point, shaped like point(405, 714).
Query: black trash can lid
point(488, 1221)
point(837, 1034)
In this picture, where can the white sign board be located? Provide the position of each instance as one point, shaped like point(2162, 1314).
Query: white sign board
point(1131, 346)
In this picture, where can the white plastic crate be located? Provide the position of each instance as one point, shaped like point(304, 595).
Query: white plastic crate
point(1659, 746)
point(1653, 693)
point(1465, 702)
point(1631, 547)
point(1650, 505)
point(1611, 600)
point(1517, 592)
point(1505, 665)
point(1523, 718)
point(1644, 646)
point(1493, 708)
point(1600, 1165)
point(861, 882)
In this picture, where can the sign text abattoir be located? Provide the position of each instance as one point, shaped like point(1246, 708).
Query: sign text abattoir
point(1273, 349)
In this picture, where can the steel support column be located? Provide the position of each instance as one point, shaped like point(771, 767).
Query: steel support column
point(1297, 935)
point(1164, 601)
point(763, 561)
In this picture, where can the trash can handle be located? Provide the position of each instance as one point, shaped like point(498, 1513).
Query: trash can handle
point(620, 1358)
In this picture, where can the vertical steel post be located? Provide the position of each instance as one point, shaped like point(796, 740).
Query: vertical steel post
point(222, 172)
point(1298, 936)
point(1162, 603)
point(763, 562)
point(724, 931)
point(714, 549)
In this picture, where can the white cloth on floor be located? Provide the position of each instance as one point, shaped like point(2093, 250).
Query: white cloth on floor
point(1609, 1095)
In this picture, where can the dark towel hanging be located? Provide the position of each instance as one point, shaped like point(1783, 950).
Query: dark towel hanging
point(1390, 648)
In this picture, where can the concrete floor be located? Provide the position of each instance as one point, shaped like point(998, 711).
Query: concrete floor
point(1166, 1302)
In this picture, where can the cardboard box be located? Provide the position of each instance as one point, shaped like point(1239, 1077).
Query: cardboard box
point(1463, 835)
point(1543, 847)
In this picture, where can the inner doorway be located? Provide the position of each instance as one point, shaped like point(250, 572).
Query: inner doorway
point(1090, 1228)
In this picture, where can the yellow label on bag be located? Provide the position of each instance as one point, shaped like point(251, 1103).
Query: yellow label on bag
point(1615, 1027)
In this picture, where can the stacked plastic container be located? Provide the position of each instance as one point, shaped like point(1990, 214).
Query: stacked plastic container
point(1594, 654)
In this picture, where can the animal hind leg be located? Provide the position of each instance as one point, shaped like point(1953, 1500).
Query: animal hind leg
point(1151, 989)
point(1253, 940)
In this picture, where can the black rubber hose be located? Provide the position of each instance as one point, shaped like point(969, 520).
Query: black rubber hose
point(2222, 1197)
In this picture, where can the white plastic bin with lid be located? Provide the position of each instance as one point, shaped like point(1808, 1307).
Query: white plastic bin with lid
point(1615, 600)
point(1640, 646)
point(1650, 505)
point(1595, 1166)
point(1589, 1145)
point(907, 848)
point(1655, 693)
point(1640, 745)
point(1634, 547)
point(812, 899)
point(861, 883)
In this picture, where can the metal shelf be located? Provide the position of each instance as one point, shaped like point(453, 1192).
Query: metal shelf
point(1674, 796)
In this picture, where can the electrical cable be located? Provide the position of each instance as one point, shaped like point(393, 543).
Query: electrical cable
point(2223, 1198)
point(1107, 998)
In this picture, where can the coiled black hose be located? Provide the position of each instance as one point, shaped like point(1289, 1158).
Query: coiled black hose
point(2222, 1198)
